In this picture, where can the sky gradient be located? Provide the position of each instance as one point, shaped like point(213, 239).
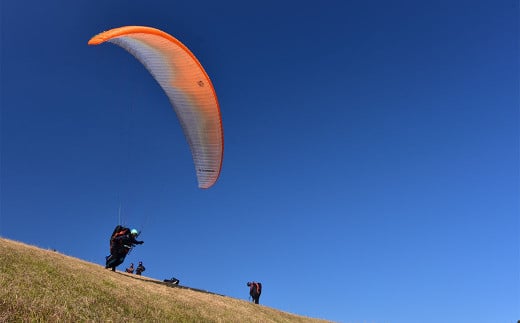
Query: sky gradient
point(371, 151)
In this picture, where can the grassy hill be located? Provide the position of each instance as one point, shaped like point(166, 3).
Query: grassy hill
point(43, 285)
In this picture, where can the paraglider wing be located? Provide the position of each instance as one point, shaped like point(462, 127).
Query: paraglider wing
point(187, 86)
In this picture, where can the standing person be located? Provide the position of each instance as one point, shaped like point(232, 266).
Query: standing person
point(140, 268)
point(255, 289)
point(130, 269)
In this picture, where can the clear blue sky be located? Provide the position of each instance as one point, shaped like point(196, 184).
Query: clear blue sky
point(371, 163)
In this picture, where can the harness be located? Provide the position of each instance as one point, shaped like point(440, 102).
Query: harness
point(258, 287)
point(121, 233)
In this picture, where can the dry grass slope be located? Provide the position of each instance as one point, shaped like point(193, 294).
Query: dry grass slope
point(42, 285)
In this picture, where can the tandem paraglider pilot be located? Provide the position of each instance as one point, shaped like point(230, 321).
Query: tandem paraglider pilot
point(121, 242)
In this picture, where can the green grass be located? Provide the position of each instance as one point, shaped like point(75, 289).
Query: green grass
point(39, 285)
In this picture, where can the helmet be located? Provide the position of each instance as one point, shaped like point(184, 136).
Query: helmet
point(134, 232)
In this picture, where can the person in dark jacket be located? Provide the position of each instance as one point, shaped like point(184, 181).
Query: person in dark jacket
point(255, 289)
point(140, 268)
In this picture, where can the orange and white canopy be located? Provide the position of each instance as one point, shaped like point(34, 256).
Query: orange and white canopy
point(188, 87)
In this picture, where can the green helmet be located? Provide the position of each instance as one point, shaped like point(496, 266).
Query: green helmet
point(134, 232)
